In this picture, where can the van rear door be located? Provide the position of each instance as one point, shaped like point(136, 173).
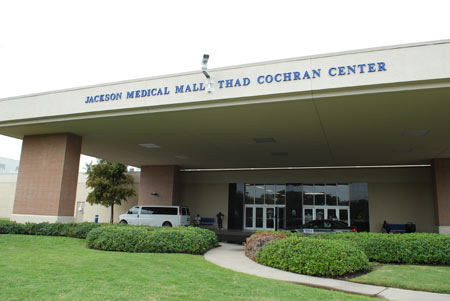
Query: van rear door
point(185, 216)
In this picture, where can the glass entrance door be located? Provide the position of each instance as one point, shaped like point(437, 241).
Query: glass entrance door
point(259, 217)
point(280, 217)
point(270, 217)
point(263, 217)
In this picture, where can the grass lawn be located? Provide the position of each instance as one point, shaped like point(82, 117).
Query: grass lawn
point(43, 268)
point(415, 277)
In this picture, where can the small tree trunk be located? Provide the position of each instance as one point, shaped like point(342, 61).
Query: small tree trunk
point(112, 214)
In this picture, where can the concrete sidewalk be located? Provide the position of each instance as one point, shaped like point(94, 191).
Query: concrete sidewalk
point(232, 257)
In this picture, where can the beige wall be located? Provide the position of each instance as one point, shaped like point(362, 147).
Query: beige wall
point(400, 203)
point(103, 213)
point(206, 200)
point(7, 191)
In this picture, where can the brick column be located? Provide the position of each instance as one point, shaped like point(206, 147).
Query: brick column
point(159, 185)
point(441, 172)
point(47, 179)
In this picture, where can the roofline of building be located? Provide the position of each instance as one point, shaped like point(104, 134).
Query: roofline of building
point(399, 46)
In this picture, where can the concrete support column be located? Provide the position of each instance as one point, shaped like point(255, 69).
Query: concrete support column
point(441, 172)
point(159, 185)
point(47, 179)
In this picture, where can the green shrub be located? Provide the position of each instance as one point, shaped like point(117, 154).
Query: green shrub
point(190, 240)
point(8, 227)
point(413, 248)
point(78, 230)
point(313, 256)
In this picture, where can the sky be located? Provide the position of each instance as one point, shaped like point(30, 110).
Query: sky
point(52, 45)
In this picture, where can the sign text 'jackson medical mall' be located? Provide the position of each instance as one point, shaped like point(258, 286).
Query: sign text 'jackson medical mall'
point(262, 79)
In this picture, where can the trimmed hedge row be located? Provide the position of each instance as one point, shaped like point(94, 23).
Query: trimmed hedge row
point(124, 238)
point(410, 248)
point(191, 240)
point(77, 230)
point(313, 257)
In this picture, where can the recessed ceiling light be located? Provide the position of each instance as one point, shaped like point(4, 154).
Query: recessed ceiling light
point(415, 133)
point(149, 145)
point(280, 154)
point(402, 150)
point(264, 140)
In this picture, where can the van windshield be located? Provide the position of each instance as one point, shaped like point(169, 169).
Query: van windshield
point(133, 210)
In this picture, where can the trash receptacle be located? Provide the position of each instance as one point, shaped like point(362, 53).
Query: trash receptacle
point(96, 219)
point(410, 228)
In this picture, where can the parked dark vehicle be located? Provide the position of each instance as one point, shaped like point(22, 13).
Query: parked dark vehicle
point(324, 226)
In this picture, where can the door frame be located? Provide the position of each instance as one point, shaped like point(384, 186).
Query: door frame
point(264, 207)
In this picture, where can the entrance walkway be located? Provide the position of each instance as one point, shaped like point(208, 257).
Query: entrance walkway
point(232, 257)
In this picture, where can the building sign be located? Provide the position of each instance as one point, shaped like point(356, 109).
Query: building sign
point(262, 79)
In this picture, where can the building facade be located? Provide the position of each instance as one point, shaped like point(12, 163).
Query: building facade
point(360, 136)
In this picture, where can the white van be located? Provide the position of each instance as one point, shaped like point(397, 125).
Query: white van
point(152, 215)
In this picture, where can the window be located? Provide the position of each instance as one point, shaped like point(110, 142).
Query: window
point(308, 194)
point(184, 211)
point(280, 194)
point(319, 194)
point(134, 210)
point(343, 194)
point(339, 225)
point(249, 193)
point(259, 194)
point(270, 194)
point(146, 210)
point(164, 210)
point(330, 194)
point(161, 211)
point(265, 194)
point(314, 225)
point(331, 213)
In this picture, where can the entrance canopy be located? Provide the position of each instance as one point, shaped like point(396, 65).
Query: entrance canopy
point(379, 106)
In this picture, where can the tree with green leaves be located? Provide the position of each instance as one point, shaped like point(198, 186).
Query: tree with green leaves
point(110, 183)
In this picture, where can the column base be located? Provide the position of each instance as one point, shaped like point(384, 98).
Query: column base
point(444, 229)
point(30, 218)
